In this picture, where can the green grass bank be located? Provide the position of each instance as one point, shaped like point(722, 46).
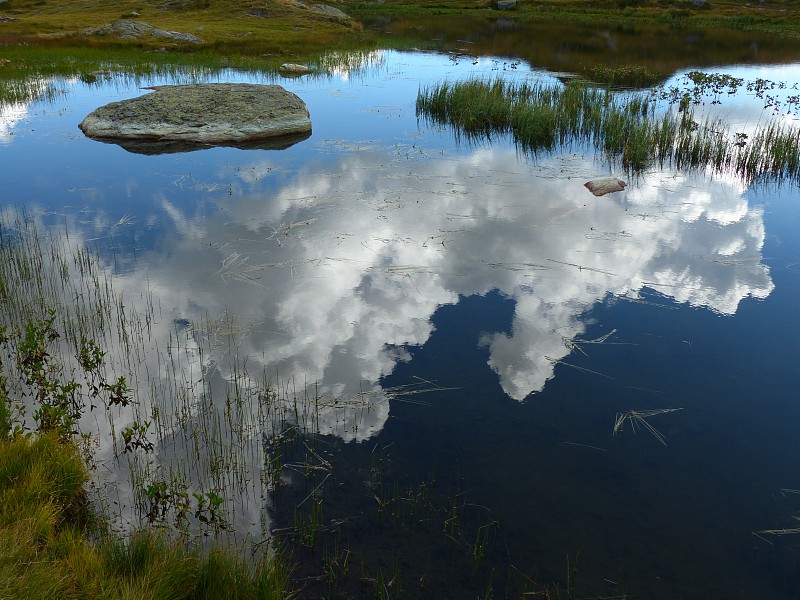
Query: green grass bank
point(52, 545)
point(291, 28)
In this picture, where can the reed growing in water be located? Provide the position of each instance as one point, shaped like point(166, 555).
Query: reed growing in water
point(52, 545)
point(630, 130)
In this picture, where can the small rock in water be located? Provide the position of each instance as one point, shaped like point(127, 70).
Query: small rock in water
point(605, 185)
point(294, 69)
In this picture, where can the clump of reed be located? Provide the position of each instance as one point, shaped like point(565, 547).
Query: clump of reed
point(192, 449)
point(627, 76)
point(630, 130)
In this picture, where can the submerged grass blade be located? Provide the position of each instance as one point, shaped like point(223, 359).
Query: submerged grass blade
point(638, 418)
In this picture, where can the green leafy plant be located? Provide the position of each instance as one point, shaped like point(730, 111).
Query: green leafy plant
point(209, 509)
point(135, 438)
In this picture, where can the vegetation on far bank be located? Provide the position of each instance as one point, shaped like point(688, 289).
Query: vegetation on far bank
point(774, 16)
point(279, 27)
point(289, 27)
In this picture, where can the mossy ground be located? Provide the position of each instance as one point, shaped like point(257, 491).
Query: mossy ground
point(280, 27)
point(286, 28)
point(777, 16)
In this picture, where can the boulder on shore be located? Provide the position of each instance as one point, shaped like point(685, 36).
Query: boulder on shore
point(331, 11)
point(125, 29)
point(605, 185)
point(212, 113)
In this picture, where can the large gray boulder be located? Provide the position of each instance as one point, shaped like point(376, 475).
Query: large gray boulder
point(212, 113)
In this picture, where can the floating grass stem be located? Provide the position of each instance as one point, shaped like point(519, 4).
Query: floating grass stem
point(638, 418)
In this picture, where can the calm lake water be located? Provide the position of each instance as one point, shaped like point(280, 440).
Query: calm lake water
point(461, 326)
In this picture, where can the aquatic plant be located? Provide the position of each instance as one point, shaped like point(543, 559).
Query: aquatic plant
point(626, 129)
point(53, 545)
point(629, 76)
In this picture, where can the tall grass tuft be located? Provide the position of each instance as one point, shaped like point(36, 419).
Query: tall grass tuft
point(629, 76)
point(626, 129)
point(482, 108)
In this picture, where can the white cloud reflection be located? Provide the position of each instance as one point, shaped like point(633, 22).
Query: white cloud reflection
point(10, 115)
point(314, 282)
point(327, 275)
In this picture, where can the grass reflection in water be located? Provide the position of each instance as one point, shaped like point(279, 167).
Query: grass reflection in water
point(629, 129)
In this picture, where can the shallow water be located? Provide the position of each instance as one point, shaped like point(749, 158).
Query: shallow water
point(464, 324)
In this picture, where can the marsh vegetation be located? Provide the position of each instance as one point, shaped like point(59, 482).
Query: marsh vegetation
point(56, 538)
point(632, 130)
point(53, 545)
point(383, 357)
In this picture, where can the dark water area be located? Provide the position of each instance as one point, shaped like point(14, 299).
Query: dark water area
point(469, 330)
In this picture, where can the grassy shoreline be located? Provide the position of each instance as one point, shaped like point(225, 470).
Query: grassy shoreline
point(286, 29)
point(52, 545)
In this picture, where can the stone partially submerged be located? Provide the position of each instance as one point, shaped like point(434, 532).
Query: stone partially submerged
point(229, 114)
point(293, 69)
point(605, 185)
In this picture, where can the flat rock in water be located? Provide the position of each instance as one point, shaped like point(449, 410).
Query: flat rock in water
point(294, 69)
point(210, 113)
point(605, 185)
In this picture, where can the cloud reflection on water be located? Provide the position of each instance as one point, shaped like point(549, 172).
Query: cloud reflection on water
point(317, 280)
point(331, 273)
point(10, 116)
